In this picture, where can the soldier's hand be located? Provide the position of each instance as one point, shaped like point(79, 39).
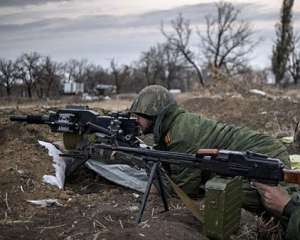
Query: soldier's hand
point(274, 198)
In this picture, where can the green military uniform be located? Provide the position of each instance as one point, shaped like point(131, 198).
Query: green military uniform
point(291, 218)
point(180, 131)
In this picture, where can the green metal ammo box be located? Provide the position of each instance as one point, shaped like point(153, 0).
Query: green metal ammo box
point(222, 212)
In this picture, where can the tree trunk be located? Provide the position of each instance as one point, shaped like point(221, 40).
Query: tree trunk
point(29, 93)
point(199, 74)
point(8, 91)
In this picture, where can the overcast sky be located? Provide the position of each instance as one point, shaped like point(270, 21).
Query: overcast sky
point(100, 30)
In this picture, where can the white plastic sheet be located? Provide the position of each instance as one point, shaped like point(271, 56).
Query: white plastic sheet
point(120, 174)
point(45, 202)
point(58, 164)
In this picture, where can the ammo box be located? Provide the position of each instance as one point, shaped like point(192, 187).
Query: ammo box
point(222, 212)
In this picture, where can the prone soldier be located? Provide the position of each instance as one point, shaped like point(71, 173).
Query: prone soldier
point(176, 130)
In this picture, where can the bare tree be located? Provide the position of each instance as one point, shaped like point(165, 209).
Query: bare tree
point(101, 75)
point(76, 70)
point(7, 75)
point(90, 73)
point(28, 67)
point(174, 66)
point(227, 40)
point(126, 76)
point(147, 66)
point(51, 74)
point(162, 65)
point(152, 64)
point(179, 40)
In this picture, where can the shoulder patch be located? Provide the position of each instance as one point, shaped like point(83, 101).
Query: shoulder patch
point(168, 139)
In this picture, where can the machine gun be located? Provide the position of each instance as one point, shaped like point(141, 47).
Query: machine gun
point(226, 163)
point(75, 121)
point(80, 120)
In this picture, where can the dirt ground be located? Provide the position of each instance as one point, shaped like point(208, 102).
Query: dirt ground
point(93, 208)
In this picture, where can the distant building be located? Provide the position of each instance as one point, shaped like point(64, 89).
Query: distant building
point(105, 89)
point(73, 88)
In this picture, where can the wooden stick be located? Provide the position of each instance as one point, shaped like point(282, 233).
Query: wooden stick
point(6, 202)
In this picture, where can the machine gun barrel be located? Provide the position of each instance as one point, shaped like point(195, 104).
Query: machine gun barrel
point(31, 119)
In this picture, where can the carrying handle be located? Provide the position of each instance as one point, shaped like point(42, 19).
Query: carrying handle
point(213, 152)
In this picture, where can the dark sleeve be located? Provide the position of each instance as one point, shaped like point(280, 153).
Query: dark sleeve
point(292, 212)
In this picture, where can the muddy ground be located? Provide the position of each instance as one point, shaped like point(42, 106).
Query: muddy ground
point(93, 208)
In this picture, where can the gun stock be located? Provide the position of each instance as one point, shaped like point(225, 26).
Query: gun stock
point(291, 176)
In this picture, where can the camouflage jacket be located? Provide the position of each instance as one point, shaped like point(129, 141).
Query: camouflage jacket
point(291, 218)
point(177, 130)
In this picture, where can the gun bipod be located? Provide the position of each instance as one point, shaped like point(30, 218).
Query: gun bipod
point(155, 173)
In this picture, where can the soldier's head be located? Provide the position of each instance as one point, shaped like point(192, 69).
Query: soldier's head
point(150, 102)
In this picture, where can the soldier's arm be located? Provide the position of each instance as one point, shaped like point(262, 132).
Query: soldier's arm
point(274, 198)
point(277, 200)
point(292, 213)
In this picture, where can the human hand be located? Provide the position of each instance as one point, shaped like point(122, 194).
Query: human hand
point(274, 198)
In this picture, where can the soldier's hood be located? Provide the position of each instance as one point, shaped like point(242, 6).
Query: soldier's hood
point(164, 120)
